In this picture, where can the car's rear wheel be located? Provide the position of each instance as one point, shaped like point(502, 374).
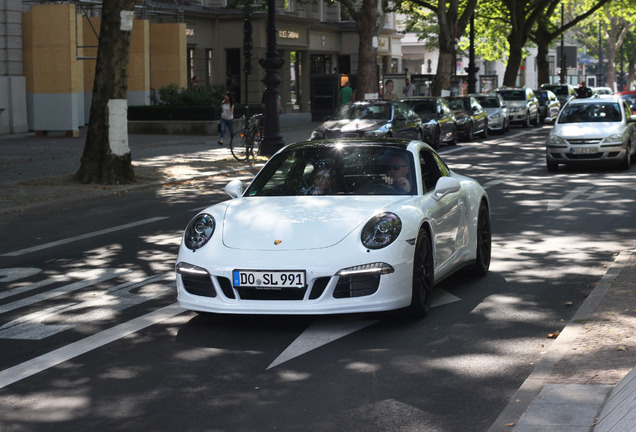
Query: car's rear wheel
point(484, 241)
point(423, 277)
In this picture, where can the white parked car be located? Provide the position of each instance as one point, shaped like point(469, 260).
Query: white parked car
point(336, 226)
point(592, 130)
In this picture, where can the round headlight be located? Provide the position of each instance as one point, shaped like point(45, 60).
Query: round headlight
point(199, 231)
point(381, 231)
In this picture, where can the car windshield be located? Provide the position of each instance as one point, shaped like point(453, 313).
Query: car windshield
point(458, 103)
point(423, 107)
point(513, 94)
point(363, 111)
point(488, 102)
point(591, 113)
point(559, 90)
point(352, 169)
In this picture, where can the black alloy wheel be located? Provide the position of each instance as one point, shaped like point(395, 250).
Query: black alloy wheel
point(484, 241)
point(423, 277)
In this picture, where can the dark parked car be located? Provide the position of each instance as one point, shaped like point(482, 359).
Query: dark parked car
point(549, 105)
point(471, 117)
point(497, 110)
point(371, 119)
point(563, 92)
point(438, 120)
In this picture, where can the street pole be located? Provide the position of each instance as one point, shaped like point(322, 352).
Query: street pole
point(601, 75)
point(273, 141)
point(564, 64)
point(472, 69)
point(247, 52)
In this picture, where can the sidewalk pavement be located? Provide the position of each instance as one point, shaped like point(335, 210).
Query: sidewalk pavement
point(586, 380)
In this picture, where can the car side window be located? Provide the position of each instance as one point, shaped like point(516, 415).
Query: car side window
point(430, 170)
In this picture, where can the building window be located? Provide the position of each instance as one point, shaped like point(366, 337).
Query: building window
point(320, 64)
point(208, 62)
point(191, 73)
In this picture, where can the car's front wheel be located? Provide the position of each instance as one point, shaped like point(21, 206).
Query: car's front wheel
point(484, 241)
point(423, 277)
point(470, 137)
point(627, 162)
point(551, 166)
point(526, 122)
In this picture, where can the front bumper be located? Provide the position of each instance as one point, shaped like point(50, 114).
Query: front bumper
point(586, 152)
point(326, 292)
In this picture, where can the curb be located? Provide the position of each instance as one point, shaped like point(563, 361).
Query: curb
point(535, 383)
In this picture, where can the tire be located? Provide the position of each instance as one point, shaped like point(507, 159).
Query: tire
point(526, 122)
point(484, 241)
point(507, 126)
point(423, 277)
point(484, 134)
point(470, 137)
point(436, 139)
point(239, 147)
point(627, 162)
point(551, 166)
point(453, 140)
point(536, 120)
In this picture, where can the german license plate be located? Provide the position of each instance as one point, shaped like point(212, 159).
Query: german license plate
point(584, 150)
point(268, 279)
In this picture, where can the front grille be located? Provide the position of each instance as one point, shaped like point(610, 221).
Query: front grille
point(584, 156)
point(584, 141)
point(198, 284)
point(356, 286)
point(271, 294)
point(226, 287)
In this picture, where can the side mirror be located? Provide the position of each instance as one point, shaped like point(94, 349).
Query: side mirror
point(445, 186)
point(632, 118)
point(549, 120)
point(234, 188)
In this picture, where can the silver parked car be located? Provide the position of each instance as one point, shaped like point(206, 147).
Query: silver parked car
point(592, 130)
point(523, 105)
point(497, 109)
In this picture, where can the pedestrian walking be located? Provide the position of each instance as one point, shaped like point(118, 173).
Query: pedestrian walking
point(227, 116)
point(409, 89)
point(347, 94)
point(583, 91)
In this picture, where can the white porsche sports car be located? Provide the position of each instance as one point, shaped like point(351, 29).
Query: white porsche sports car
point(336, 226)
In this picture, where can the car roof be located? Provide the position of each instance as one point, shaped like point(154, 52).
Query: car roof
point(599, 98)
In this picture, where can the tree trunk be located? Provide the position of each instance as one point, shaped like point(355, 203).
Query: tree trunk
point(367, 20)
point(446, 60)
point(515, 58)
point(106, 158)
point(543, 40)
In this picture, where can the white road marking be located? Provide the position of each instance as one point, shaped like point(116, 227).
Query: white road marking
point(35, 285)
point(94, 276)
point(48, 322)
point(11, 274)
point(83, 236)
point(68, 352)
point(572, 196)
point(325, 331)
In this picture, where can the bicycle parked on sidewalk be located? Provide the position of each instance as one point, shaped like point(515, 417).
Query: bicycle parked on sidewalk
point(246, 142)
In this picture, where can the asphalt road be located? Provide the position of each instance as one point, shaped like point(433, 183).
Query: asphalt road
point(91, 337)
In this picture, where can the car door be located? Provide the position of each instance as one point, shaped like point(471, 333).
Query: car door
point(446, 215)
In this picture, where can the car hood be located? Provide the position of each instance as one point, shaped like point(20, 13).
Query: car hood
point(297, 223)
point(352, 125)
point(516, 103)
point(461, 114)
point(587, 130)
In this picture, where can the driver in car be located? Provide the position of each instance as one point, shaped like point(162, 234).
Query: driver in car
point(397, 174)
